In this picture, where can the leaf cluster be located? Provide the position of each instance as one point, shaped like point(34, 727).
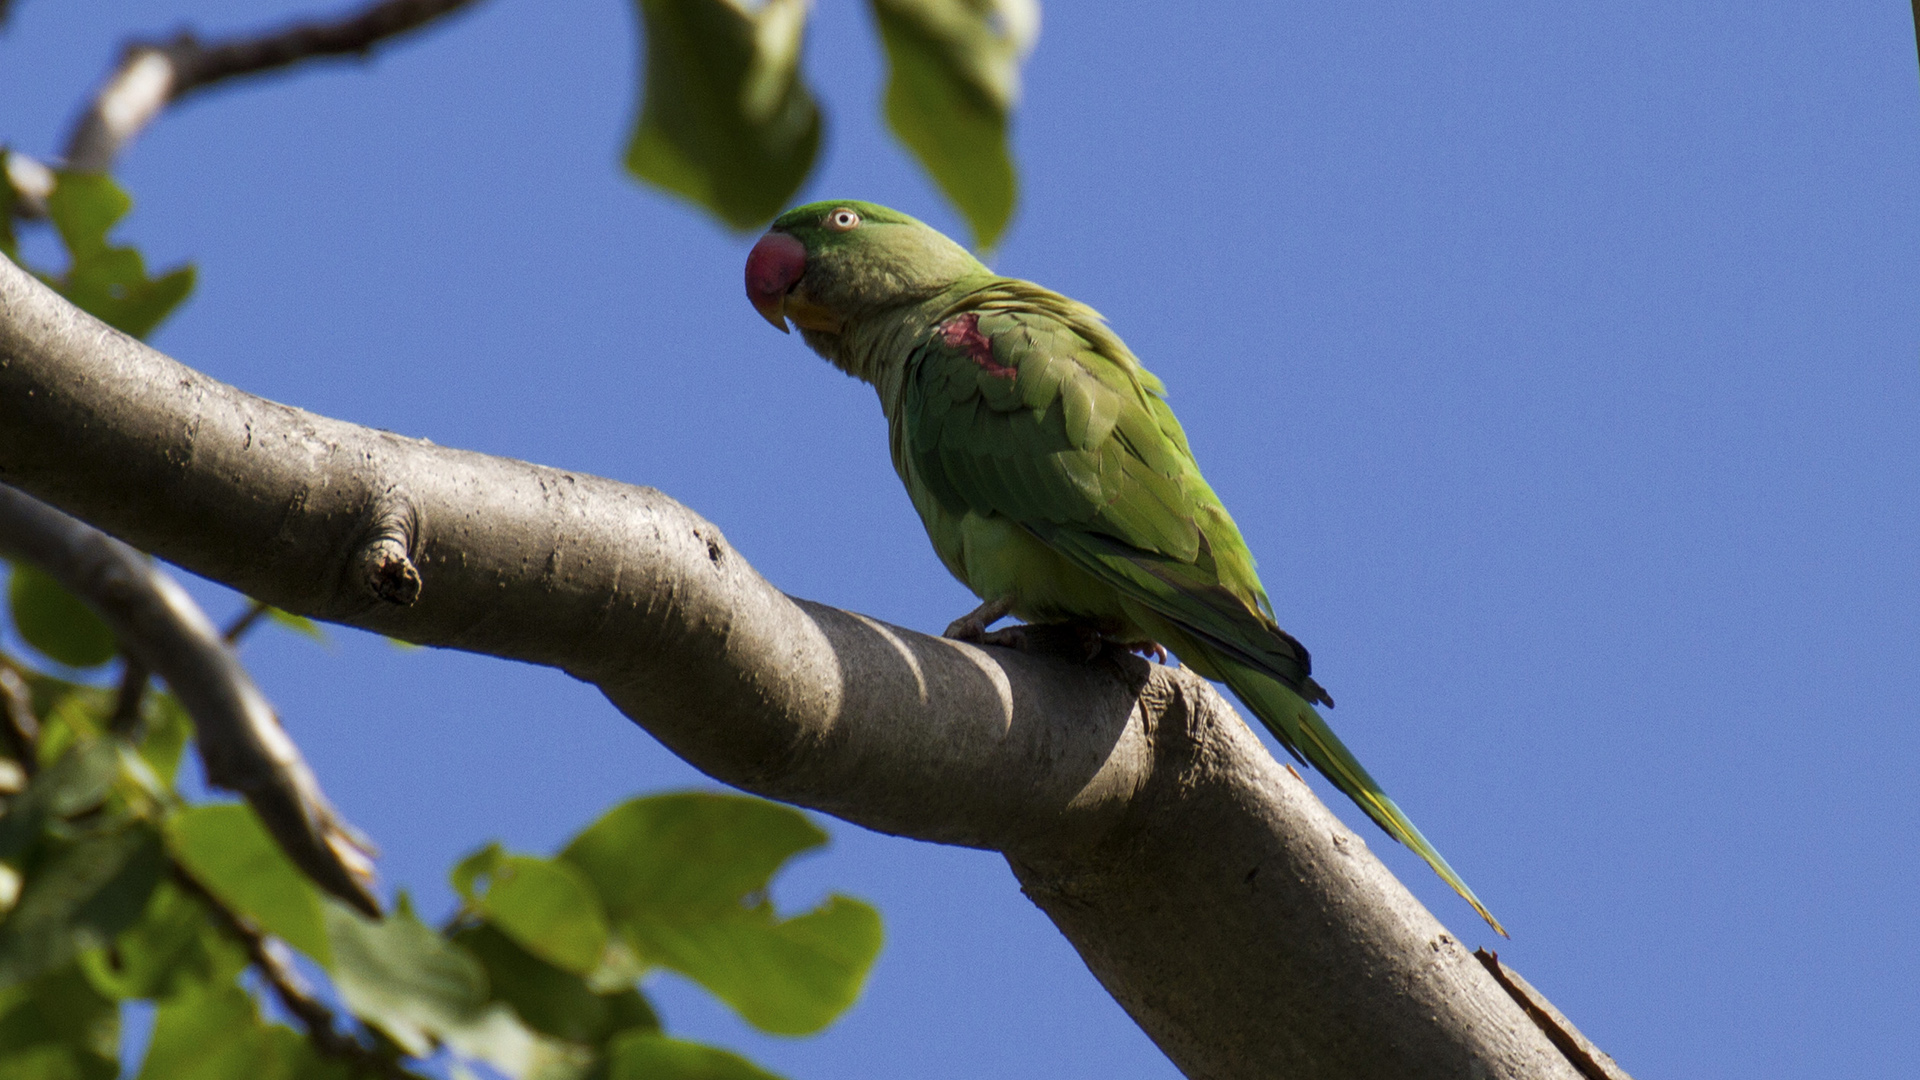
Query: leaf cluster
point(727, 121)
point(110, 283)
point(114, 888)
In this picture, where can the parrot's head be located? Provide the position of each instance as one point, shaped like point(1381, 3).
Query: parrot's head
point(826, 264)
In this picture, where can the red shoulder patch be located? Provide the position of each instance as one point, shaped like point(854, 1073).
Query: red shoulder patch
point(963, 332)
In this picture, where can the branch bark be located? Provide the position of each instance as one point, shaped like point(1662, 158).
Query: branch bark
point(1241, 925)
point(162, 630)
point(271, 958)
point(152, 75)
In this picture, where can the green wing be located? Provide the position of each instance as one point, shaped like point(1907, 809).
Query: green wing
point(1022, 404)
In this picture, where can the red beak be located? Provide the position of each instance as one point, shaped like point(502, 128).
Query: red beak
point(773, 268)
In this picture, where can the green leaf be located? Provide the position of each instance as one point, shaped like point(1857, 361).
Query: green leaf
point(109, 283)
point(953, 82)
point(547, 906)
point(84, 207)
point(54, 621)
point(683, 878)
point(81, 898)
point(552, 1001)
point(690, 849)
point(468, 872)
point(175, 943)
point(58, 1027)
point(214, 1032)
point(791, 977)
point(57, 1063)
point(725, 119)
point(299, 624)
point(78, 780)
point(165, 735)
point(226, 849)
point(199, 1032)
point(422, 990)
point(647, 1056)
point(75, 718)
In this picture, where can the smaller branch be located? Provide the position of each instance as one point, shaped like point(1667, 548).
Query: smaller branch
point(32, 184)
point(125, 721)
point(241, 742)
point(1916, 21)
point(270, 957)
point(16, 714)
point(152, 75)
point(247, 621)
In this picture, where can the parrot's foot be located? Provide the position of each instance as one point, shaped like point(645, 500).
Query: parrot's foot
point(972, 627)
point(1082, 641)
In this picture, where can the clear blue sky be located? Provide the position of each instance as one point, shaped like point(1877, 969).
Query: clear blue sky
point(1561, 362)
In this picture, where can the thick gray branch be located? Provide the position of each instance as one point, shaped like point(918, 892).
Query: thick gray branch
point(241, 742)
point(1245, 929)
point(152, 75)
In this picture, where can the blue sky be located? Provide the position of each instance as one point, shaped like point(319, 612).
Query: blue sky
point(1560, 361)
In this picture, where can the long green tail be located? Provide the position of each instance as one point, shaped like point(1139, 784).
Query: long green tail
point(1298, 726)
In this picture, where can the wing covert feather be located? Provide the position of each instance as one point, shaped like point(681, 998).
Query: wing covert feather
point(1026, 413)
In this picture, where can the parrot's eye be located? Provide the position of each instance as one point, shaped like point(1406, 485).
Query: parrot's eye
point(842, 220)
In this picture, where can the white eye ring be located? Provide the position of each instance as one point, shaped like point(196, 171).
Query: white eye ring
point(843, 220)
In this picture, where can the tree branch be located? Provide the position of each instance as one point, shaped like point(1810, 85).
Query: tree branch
point(162, 630)
point(1243, 927)
point(152, 75)
point(270, 958)
point(21, 727)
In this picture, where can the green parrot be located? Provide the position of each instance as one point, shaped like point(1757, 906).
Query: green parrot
point(1051, 476)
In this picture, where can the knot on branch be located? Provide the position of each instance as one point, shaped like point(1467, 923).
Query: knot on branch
point(386, 560)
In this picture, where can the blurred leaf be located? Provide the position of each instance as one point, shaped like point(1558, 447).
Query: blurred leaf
point(214, 1032)
point(174, 943)
point(683, 878)
point(725, 121)
point(421, 990)
point(466, 873)
point(109, 283)
point(548, 907)
point(194, 1030)
point(954, 80)
point(69, 713)
point(165, 736)
point(83, 207)
point(648, 1056)
point(48, 1062)
point(58, 1026)
point(299, 624)
point(81, 898)
point(226, 849)
point(54, 621)
point(552, 1001)
point(79, 780)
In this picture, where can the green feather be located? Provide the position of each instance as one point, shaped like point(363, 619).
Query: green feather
point(1067, 486)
